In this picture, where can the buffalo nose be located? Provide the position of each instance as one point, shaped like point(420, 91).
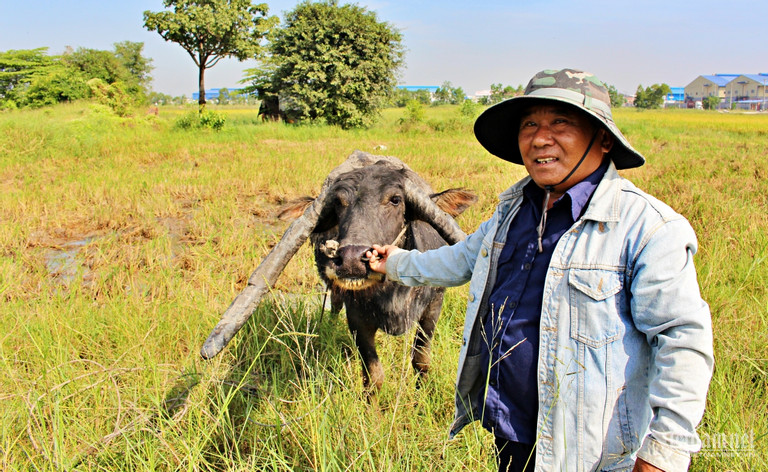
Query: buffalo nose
point(352, 261)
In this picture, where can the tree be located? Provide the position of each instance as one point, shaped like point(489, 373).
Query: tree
point(124, 65)
point(334, 63)
point(32, 78)
point(443, 94)
point(224, 97)
point(711, 102)
point(422, 96)
point(458, 96)
point(58, 84)
point(139, 67)
point(210, 30)
point(500, 93)
point(447, 94)
point(617, 99)
point(651, 97)
point(17, 69)
point(401, 96)
point(159, 98)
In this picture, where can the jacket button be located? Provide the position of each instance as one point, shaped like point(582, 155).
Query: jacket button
point(484, 252)
point(471, 297)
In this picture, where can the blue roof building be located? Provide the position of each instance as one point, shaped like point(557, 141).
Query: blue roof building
point(740, 90)
point(416, 88)
point(677, 95)
point(213, 94)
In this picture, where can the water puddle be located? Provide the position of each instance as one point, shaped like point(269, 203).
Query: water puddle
point(66, 260)
point(64, 265)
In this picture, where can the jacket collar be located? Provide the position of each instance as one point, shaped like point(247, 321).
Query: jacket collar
point(604, 204)
point(515, 190)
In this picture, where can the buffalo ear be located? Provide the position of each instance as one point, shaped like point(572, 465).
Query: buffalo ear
point(454, 200)
point(294, 209)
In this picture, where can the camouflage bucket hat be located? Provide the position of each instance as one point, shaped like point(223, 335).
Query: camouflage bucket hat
point(496, 128)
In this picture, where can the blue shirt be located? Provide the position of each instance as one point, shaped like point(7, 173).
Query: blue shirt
point(511, 327)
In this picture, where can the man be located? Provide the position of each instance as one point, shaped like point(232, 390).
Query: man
point(587, 345)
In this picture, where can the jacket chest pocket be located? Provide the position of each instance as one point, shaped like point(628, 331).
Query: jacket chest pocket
point(595, 300)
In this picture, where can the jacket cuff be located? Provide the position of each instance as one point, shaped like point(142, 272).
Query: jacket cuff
point(666, 458)
point(391, 266)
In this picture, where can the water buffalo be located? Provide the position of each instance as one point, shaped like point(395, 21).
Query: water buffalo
point(367, 200)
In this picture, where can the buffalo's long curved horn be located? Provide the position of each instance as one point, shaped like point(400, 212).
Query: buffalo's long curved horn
point(428, 210)
point(273, 264)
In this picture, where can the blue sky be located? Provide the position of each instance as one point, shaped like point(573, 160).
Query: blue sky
point(470, 44)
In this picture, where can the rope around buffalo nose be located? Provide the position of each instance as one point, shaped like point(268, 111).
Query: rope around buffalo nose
point(396, 242)
point(334, 245)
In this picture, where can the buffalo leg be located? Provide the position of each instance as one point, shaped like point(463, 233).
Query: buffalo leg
point(365, 339)
point(337, 302)
point(422, 341)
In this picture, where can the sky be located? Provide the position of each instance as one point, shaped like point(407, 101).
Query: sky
point(470, 44)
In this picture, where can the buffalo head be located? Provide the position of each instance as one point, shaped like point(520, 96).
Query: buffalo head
point(377, 204)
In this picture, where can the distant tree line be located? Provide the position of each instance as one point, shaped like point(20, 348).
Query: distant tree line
point(32, 78)
point(652, 96)
point(329, 63)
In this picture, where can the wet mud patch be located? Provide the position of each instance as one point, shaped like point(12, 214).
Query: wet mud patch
point(76, 255)
point(65, 261)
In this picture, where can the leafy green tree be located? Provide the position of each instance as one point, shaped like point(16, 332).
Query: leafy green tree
point(443, 94)
point(57, 84)
point(159, 98)
point(458, 96)
point(711, 102)
point(414, 111)
point(470, 109)
point(17, 70)
point(617, 99)
point(32, 78)
point(333, 63)
point(500, 93)
point(423, 96)
point(400, 97)
point(210, 30)
point(111, 95)
point(139, 67)
point(125, 65)
point(224, 97)
point(96, 64)
point(448, 94)
point(651, 97)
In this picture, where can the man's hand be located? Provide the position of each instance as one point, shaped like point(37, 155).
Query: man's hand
point(377, 257)
point(642, 466)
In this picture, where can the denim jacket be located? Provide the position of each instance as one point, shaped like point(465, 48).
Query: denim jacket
point(625, 341)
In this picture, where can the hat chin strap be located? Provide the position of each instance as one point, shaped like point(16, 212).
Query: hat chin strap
point(551, 188)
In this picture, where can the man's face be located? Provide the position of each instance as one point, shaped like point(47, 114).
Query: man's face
point(552, 139)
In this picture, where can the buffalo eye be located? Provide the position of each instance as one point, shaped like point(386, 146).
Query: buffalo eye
point(395, 199)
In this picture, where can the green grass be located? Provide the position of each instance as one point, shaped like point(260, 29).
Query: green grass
point(123, 240)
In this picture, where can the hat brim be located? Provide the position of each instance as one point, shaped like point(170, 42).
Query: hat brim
point(496, 130)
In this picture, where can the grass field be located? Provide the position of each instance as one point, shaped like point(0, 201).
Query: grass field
point(123, 240)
